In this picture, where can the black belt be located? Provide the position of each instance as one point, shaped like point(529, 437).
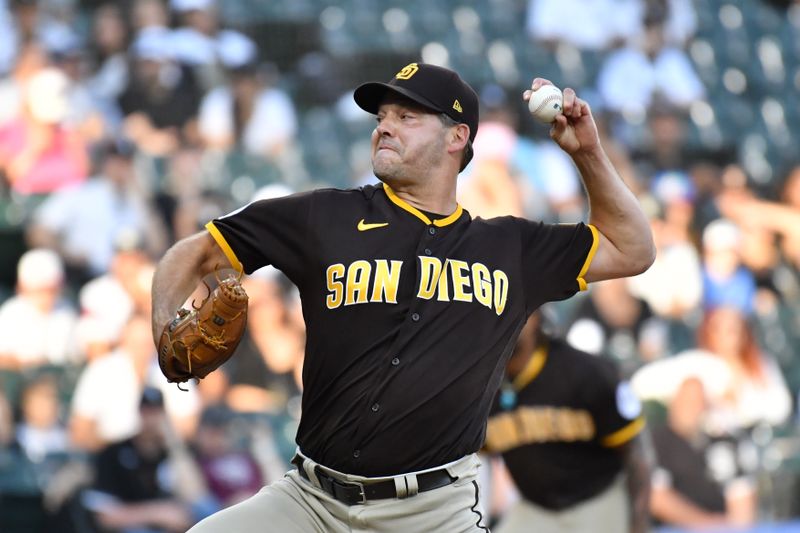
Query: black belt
point(353, 493)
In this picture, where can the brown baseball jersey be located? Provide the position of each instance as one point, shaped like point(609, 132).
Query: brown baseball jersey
point(410, 316)
point(559, 426)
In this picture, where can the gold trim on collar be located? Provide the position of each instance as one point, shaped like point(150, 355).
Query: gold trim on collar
point(419, 214)
point(532, 369)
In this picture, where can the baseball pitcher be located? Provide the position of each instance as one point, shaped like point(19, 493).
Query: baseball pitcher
point(412, 308)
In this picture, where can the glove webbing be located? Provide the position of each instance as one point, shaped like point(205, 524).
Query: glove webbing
point(215, 341)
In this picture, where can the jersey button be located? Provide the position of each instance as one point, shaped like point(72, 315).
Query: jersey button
point(428, 251)
point(395, 361)
point(375, 407)
point(415, 317)
point(356, 453)
point(432, 230)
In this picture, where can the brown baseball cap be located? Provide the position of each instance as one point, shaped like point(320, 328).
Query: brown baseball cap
point(439, 89)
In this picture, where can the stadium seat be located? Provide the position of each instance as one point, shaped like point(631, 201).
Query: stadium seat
point(706, 14)
point(246, 173)
point(761, 17)
point(397, 24)
point(536, 60)
point(284, 42)
point(11, 382)
point(338, 41)
point(790, 42)
point(506, 18)
point(734, 113)
point(324, 153)
point(429, 18)
point(705, 58)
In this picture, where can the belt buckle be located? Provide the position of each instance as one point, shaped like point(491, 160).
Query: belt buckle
point(346, 487)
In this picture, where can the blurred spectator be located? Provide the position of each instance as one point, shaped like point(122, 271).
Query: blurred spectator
point(200, 42)
point(26, 13)
point(661, 146)
point(86, 238)
point(611, 320)
point(39, 153)
point(104, 404)
point(771, 250)
point(85, 113)
point(632, 78)
point(6, 421)
point(618, 152)
point(39, 474)
point(680, 22)
point(161, 99)
point(37, 325)
point(132, 269)
point(606, 24)
point(19, 25)
point(149, 482)
point(513, 175)
point(790, 191)
point(104, 408)
point(684, 493)
point(758, 392)
point(763, 225)
point(263, 373)
point(594, 25)
point(58, 21)
point(231, 472)
point(40, 430)
point(492, 188)
point(725, 280)
point(125, 289)
point(673, 285)
point(32, 58)
point(96, 337)
point(658, 381)
point(195, 37)
point(233, 115)
point(109, 49)
point(779, 219)
point(8, 44)
point(149, 14)
point(105, 300)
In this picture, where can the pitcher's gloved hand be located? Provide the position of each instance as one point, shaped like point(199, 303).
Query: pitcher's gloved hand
point(196, 342)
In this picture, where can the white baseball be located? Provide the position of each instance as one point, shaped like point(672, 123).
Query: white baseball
point(546, 102)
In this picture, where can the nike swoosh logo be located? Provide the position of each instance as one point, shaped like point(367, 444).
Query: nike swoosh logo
point(363, 226)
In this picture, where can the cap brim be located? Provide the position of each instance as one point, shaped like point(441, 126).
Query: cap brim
point(369, 96)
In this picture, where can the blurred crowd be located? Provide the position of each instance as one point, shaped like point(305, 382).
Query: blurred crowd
point(125, 126)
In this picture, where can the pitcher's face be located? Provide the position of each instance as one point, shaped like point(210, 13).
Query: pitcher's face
point(408, 141)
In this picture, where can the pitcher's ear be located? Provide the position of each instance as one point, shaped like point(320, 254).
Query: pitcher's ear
point(460, 134)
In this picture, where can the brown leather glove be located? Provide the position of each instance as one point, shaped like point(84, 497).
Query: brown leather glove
point(196, 342)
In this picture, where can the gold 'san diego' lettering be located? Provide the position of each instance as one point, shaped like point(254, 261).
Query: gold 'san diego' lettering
point(447, 280)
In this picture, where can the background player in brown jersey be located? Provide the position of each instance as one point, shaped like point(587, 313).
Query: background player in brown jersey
point(570, 432)
point(412, 308)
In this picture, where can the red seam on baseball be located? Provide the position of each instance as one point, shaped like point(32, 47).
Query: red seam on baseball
point(545, 102)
